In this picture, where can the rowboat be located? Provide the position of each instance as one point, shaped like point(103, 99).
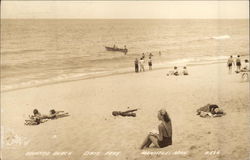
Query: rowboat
point(124, 50)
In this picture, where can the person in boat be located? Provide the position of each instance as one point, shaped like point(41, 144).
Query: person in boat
point(114, 46)
point(210, 110)
point(162, 137)
point(128, 113)
point(136, 65)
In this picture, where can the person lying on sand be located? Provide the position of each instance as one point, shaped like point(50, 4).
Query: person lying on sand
point(210, 110)
point(128, 113)
point(163, 137)
point(57, 114)
point(38, 118)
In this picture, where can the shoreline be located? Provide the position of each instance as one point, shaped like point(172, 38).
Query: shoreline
point(94, 76)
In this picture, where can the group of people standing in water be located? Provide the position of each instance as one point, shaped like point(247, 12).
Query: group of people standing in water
point(237, 62)
point(140, 64)
point(239, 69)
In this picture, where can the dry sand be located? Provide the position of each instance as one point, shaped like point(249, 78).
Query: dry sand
point(91, 127)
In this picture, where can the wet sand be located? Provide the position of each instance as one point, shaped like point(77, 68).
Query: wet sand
point(91, 127)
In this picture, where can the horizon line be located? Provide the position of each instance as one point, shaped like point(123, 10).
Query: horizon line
point(125, 18)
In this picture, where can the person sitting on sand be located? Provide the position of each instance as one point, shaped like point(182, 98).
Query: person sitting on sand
point(164, 136)
point(210, 110)
point(246, 67)
point(175, 72)
point(244, 71)
point(184, 71)
point(128, 113)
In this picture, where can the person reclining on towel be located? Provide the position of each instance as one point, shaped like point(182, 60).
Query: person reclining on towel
point(210, 110)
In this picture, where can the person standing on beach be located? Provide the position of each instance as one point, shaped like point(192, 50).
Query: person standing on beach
point(136, 65)
point(143, 55)
point(159, 53)
point(164, 136)
point(142, 65)
point(230, 63)
point(150, 55)
point(150, 63)
point(238, 64)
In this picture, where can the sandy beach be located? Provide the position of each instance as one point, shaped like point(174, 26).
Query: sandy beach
point(92, 128)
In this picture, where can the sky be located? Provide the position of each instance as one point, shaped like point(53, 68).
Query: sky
point(125, 9)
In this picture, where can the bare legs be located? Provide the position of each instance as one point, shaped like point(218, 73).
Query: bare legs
point(148, 140)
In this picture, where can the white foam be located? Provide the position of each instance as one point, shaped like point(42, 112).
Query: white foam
point(221, 37)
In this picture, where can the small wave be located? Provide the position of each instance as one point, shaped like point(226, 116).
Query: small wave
point(57, 79)
point(21, 51)
point(195, 60)
point(221, 37)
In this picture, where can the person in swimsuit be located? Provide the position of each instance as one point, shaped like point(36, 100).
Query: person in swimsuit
point(244, 71)
point(128, 113)
point(38, 118)
point(238, 64)
point(150, 63)
point(164, 137)
point(210, 110)
point(142, 65)
point(136, 65)
point(185, 71)
point(230, 63)
point(176, 72)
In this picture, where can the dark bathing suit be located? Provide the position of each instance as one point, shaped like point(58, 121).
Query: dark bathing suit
point(238, 63)
point(212, 108)
point(167, 135)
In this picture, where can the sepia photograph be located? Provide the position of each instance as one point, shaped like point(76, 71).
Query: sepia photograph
point(125, 80)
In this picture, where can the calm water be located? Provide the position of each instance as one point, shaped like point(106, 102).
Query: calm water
point(35, 52)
